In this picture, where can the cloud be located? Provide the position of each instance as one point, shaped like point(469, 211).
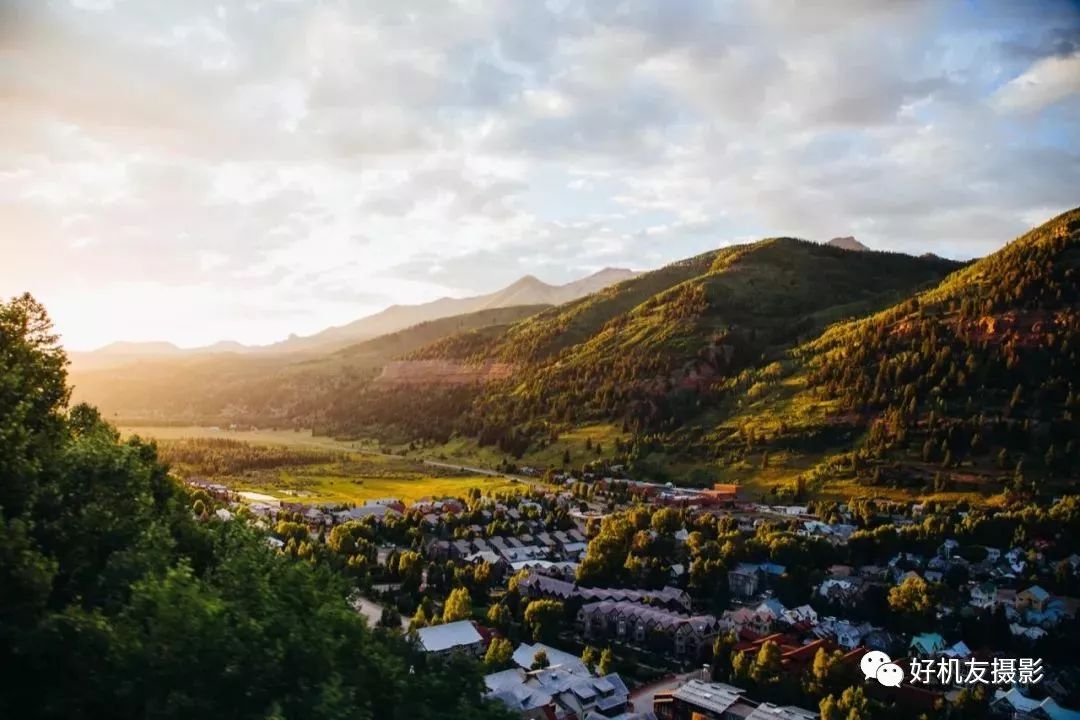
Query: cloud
point(1046, 82)
point(317, 160)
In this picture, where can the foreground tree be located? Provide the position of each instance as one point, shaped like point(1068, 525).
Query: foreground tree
point(117, 602)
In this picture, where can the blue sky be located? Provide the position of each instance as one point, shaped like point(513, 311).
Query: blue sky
point(195, 170)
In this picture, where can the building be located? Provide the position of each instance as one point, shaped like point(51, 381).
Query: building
point(461, 636)
point(1016, 706)
point(1034, 598)
point(523, 658)
point(538, 585)
point(927, 644)
point(718, 701)
point(557, 692)
point(984, 595)
point(648, 626)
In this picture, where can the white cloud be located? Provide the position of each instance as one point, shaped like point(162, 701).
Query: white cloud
point(1046, 82)
point(266, 167)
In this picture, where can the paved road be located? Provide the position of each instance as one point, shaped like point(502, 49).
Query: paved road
point(642, 698)
point(373, 612)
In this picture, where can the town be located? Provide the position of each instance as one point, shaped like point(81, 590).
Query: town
point(605, 598)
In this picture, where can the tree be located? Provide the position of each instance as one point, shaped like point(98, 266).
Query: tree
point(390, 618)
point(851, 705)
point(665, 521)
point(822, 676)
point(589, 657)
point(606, 666)
point(499, 616)
point(540, 660)
point(722, 648)
point(419, 618)
point(971, 703)
point(103, 566)
point(543, 618)
point(765, 670)
point(499, 653)
point(912, 598)
point(458, 606)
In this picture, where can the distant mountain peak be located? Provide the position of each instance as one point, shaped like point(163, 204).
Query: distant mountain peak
point(847, 243)
point(526, 281)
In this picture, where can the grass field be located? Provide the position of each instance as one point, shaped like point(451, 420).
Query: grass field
point(353, 476)
point(290, 438)
point(580, 442)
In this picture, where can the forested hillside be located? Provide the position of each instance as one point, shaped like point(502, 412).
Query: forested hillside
point(116, 601)
point(971, 385)
point(649, 352)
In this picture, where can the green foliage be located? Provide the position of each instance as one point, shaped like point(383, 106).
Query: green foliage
point(499, 654)
point(543, 618)
point(115, 601)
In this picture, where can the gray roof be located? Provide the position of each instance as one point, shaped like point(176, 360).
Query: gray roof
point(716, 697)
point(438, 638)
point(523, 658)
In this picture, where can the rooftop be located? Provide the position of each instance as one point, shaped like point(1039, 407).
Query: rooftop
point(438, 638)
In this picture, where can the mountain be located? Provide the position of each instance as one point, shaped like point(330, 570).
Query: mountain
point(123, 353)
point(259, 388)
point(848, 243)
point(796, 369)
point(647, 352)
point(526, 291)
point(968, 387)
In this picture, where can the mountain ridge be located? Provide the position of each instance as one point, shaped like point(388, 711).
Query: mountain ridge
point(527, 290)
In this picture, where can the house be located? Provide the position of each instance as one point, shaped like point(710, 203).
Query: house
point(948, 548)
point(1005, 597)
point(927, 644)
point(984, 595)
point(647, 625)
point(1034, 598)
point(741, 619)
point(847, 635)
point(960, 650)
point(1028, 633)
point(555, 693)
point(461, 636)
point(842, 591)
point(1014, 704)
point(745, 579)
point(524, 654)
point(699, 699)
point(803, 614)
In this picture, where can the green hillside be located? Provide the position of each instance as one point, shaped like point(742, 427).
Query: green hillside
point(261, 389)
point(649, 352)
point(968, 387)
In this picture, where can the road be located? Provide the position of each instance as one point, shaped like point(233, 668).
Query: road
point(373, 611)
point(642, 698)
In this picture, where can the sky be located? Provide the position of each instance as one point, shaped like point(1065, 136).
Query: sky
point(200, 170)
